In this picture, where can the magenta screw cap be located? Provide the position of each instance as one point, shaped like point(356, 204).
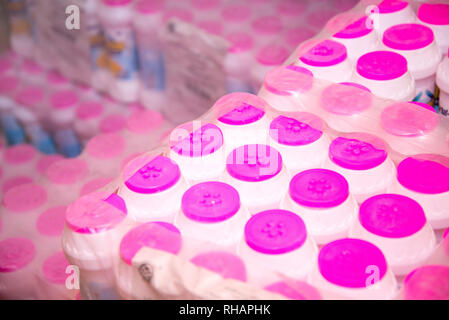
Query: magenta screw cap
point(227, 265)
point(254, 162)
point(202, 142)
point(390, 6)
point(95, 213)
point(243, 114)
point(157, 235)
point(275, 232)
point(292, 132)
point(381, 65)
point(210, 202)
point(158, 175)
point(326, 53)
point(434, 13)
point(408, 36)
point(354, 154)
point(348, 262)
point(356, 29)
point(392, 216)
point(319, 188)
point(423, 176)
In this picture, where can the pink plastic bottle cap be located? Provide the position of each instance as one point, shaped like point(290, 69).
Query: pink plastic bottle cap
point(272, 55)
point(150, 6)
point(226, 264)
point(202, 142)
point(291, 8)
point(8, 84)
point(19, 154)
point(205, 4)
point(275, 232)
point(354, 154)
point(210, 202)
point(254, 163)
point(286, 81)
point(211, 26)
point(349, 262)
point(24, 198)
point(356, 29)
point(446, 233)
point(46, 161)
point(295, 36)
point(51, 222)
point(112, 123)
point(54, 268)
point(381, 65)
point(114, 3)
point(67, 171)
point(427, 283)
point(292, 132)
point(178, 13)
point(96, 212)
point(325, 54)
point(390, 6)
point(236, 13)
point(89, 109)
point(424, 105)
point(406, 119)
point(64, 99)
point(144, 121)
point(346, 99)
point(15, 181)
point(15, 254)
point(267, 25)
point(94, 185)
point(56, 78)
point(423, 176)
point(157, 235)
point(31, 66)
point(284, 289)
point(434, 13)
point(106, 146)
point(240, 42)
point(408, 36)
point(319, 188)
point(241, 115)
point(392, 216)
point(30, 96)
point(160, 174)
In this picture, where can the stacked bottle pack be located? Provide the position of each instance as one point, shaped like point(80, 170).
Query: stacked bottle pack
point(126, 52)
point(37, 188)
point(50, 112)
point(396, 49)
point(250, 198)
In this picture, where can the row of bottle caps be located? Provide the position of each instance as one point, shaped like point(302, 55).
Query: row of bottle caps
point(245, 198)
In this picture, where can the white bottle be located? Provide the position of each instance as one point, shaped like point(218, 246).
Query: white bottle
point(97, 52)
point(117, 19)
point(442, 81)
point(147, 22)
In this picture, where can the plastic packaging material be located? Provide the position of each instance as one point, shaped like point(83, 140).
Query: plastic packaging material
point(417, 44)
